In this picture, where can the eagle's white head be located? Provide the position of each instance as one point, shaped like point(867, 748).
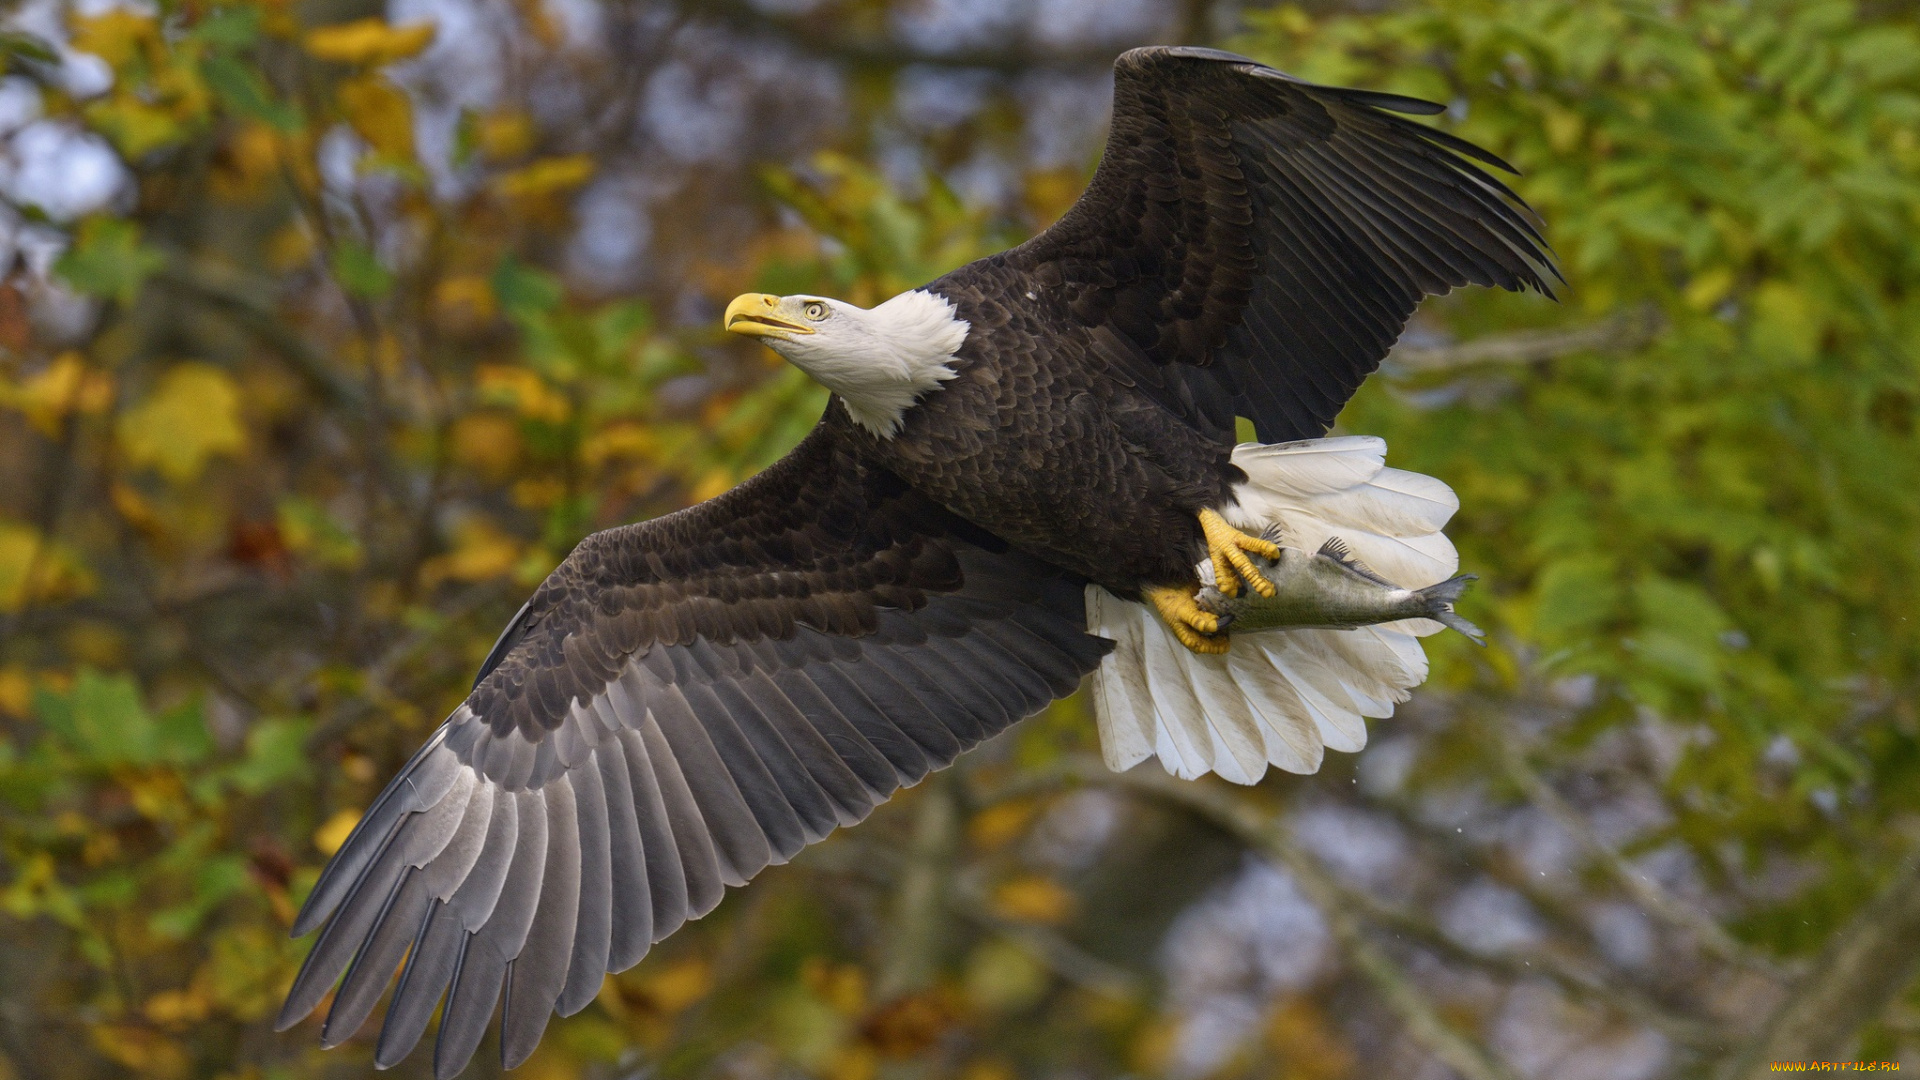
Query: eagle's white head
point(880, 360)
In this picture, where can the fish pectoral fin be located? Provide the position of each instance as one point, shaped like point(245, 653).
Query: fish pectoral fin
point(1198, 629)
point(1228, 547)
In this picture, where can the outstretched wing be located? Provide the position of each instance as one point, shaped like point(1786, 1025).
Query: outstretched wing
point(680, 704)
point(1252, 244)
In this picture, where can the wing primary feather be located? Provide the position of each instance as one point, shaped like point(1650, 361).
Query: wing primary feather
point(477, 980)
point(1059, 670)
point(482, 970)
point(377, 961)
point(420, 783)
point(908, 714)
point(737, 837)
point(875, 771)
point(538, 971)
point(341, 939)
point(952, 714)
point(993, 657)
point(631, 887)
point(593, 930)
point(431, 962)
point(473, 902)
point(986, 714)
point(677, 825)
point(967, 664)
point(848, 797)
point(808, 802)
point(908, 760)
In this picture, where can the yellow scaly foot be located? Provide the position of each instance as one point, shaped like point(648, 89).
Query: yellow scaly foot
point(1197, 629)
point(1228, 548)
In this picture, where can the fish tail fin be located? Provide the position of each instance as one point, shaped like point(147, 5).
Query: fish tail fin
point(1440, 600)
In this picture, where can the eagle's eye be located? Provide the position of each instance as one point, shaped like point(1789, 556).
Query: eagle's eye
point(815, 310)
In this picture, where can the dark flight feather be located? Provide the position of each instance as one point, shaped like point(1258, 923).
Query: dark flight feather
point(1266, 238)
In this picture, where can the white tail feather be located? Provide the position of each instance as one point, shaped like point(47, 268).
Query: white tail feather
point(1281, 697)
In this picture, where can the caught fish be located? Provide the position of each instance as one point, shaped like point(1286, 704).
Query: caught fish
point(1330, 589)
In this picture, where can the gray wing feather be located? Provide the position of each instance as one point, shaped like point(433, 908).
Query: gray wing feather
point(429, 773)
point(430, 966)
point(481, 973)
point(738, 836)
point(631, 887)
point(378, 959)
point(593, 931)
point(515, 871)
point(676, 828)
point(537, 972)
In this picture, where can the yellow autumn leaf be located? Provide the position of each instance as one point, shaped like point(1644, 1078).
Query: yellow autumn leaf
point(380, 112)
point(621, 440)
point(504, 135)
point(999, 824)
point(246, 163)
point(135, 126)
point(191, 416)
point(465, 298)
point(1033, 898)
point(548, 176)
point(177, 1008)
point(290, 246)
point(36, 570)
point(524, 390)
point(489, 443)
point(369, 41)
point(144, 1051)
point(674, 988)
point(118, 35)
point(713, 485)
point(480, 552)
point(841, 986)
point(62, 388)
point(16, 691)
point(334, 831)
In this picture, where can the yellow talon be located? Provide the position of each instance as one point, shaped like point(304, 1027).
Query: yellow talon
point(1228, 548)
point(1197, 629)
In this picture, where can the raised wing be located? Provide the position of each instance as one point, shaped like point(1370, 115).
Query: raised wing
point(680, 704)
point(1252, 244)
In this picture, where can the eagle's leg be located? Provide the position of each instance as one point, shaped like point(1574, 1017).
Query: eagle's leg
point(1228, 547)
point(1197, 629)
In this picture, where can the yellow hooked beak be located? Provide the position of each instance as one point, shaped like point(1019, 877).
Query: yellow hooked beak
point(758, 315)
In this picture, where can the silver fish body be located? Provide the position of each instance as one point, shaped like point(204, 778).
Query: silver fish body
point(1328, 589)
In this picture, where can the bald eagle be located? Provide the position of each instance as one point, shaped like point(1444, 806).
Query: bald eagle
point(1024, 473)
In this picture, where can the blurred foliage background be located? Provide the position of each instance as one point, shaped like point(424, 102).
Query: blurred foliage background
point(327, 329)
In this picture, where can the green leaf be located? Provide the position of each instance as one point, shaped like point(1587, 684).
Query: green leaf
point(181, 735)
point(244, 91)
point(523, 291)
point(102, 718)
point(18, 45)
point(276, 752)
point(228, 29)
point(359, 271)
point(108, 260)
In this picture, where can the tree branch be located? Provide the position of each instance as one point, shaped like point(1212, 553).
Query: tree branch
point(1865, 966)
point(1624, 330)
point(1648, 893)
point(878, 50)
point(912, 955)
point(1263, 833)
